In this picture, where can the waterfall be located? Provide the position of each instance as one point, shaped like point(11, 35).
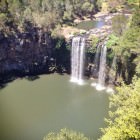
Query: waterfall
point(112, 71)
point(102, 68)
point(112, 74)
point(77, 59)
point(96, 62)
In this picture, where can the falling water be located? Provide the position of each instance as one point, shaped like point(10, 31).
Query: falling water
point(112, 71)
point(102, 68)
point(112, 74)
point(77, 59)
point(96, 61)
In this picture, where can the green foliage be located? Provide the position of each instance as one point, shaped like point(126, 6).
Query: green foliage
point(67, 16)
point(125, 43)
point(110, 56)
point(65, 134)
point(119, 24)
point(46, 20)
point(112, 41)
point(68, 12)
point(3, 6)
point(136, 18)
point(27, 14)
point(129, 43)
point(46, 14)
point(94, 40)
point(137, 62)
point(130, 40)
point(3, 19)
point(99, 4)
point(60, 42)
point(15, 7)
point(87, 7)
point(124, 122)
point(56, 31)
point(112, 44)
point(132, 1)
point(114, 5)
point(135, 3)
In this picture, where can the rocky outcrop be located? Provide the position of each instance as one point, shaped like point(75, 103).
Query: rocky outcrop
point(26, 52)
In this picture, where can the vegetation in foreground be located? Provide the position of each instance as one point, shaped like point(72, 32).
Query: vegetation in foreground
point(65, 134)
point(124, 122)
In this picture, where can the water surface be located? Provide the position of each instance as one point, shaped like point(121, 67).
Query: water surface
point(31, 109)
point(87, 25)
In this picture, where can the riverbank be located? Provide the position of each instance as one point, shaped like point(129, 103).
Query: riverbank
point(70, 31)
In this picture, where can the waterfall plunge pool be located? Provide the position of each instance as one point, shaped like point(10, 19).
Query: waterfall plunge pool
point(31, 109)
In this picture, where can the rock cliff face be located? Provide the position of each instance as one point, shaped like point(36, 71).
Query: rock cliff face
point(25, 52)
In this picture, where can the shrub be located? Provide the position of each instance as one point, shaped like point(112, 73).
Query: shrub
point(65, 134)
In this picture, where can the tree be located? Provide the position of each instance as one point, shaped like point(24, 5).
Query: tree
point(15, 8)
point(119, 23)
point(87, 7)
point(126, 45)
point(124, 122)
point(3, 6)
point(65, 134)
point(68, 13)
point(3, 19)
point(136, 19)
point(129, 43)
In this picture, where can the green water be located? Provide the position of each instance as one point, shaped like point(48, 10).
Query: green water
point(31, 109)
point(87, 25)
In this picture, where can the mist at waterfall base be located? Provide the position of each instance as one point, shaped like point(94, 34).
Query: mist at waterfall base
point(77, 60)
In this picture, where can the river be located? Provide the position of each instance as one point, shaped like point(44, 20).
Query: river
point(87, 25)
point(31, 109)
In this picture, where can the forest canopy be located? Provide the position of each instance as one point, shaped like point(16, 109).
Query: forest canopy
point(43, 13)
